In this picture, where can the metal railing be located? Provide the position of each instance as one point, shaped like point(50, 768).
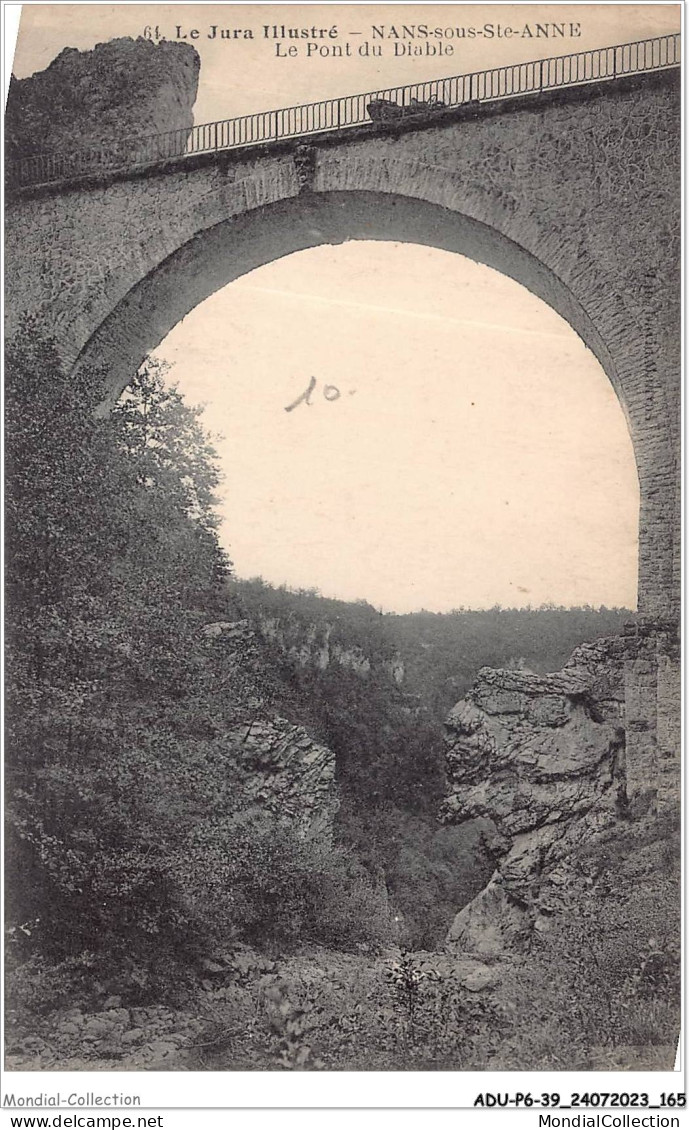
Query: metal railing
point(419, 99)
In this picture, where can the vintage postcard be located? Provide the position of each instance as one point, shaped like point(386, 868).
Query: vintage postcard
point(342, 544)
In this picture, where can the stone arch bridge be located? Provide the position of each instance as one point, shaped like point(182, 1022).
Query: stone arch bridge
point(571, 189)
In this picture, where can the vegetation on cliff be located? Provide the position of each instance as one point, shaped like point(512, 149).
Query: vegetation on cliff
point(438, 652)
point(130, 851)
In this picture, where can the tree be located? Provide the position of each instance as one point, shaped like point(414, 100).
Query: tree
point(129, 851)
point(112, 566)
point(175, 469)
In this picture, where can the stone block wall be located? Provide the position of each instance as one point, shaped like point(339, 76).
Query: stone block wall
point(573, 193)
point(652, 681)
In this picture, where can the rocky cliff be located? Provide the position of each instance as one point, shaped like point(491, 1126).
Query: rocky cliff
point(543, 757)
point(287, 774)
point(278, 768)
point(313, 645)
point(122, 89)
point(556, 762)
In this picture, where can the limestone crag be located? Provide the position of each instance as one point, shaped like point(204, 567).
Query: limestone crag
point(127, 88)
point(286, 773)
point(314, 646)
point(277, 768)
point(543, 757)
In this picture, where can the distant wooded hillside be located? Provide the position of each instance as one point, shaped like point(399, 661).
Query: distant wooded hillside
point(440, 652)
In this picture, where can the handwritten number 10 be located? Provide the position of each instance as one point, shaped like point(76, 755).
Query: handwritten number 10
point(330, 392)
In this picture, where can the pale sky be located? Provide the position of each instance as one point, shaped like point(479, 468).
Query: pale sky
point(476, 452)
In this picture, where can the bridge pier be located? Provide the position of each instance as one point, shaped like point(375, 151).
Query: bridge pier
point(652, 714)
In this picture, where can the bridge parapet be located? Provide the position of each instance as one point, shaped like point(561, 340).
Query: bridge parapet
point(417, 101)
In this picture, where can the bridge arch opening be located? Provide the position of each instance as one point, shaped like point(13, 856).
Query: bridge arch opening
point(217, 255)
point(416, 430)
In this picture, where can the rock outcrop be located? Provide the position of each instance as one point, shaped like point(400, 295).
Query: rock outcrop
point(286, 773)
point(127, 88)
point(278, 768)
point(556, 760)
point(313, 645)
point(543, 757)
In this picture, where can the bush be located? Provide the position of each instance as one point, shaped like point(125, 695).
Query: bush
point(39, 986)
point(257, 880)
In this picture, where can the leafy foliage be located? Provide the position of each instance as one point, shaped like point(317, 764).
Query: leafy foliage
point(440, 652)
point(127, 839)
